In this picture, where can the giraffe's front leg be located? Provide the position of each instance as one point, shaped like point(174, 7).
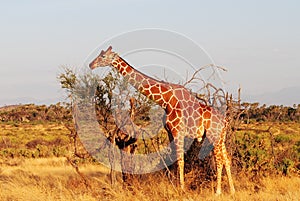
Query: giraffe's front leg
point(173, 126)
point(180, 162)
point(178, 142)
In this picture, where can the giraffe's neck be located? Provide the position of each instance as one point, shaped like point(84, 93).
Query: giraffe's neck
point(148, 86)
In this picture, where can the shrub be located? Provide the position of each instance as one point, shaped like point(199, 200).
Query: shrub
point(282, 138)
point(286, 165)
point(43, 151)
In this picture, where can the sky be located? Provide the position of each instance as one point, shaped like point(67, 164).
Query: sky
point(257, 41)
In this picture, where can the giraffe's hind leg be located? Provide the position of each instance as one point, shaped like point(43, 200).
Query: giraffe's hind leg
point(217, 140)
point(222, 159)
point(228, 168)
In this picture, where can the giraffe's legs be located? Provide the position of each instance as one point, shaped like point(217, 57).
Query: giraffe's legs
point(180, 162)
point(227, 168)
point(178, 141)
point(178, 144)
point(217, 141)
point(219, 162)
point(222, 159)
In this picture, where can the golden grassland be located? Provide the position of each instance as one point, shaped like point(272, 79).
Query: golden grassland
point(23, 177)
point(54, 179)
point(20, 133)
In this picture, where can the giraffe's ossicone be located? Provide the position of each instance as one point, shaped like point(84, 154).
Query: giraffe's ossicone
point(186, 116)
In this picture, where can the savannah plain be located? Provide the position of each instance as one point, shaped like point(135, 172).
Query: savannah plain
point(37, 162)
point(45, 51)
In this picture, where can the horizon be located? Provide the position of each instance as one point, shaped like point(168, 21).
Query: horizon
point(248, 99)
point(258, 42)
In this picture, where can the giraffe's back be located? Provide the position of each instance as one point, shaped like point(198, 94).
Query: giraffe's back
point(197, 117)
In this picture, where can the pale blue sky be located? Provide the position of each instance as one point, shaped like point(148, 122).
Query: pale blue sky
point(257, 41)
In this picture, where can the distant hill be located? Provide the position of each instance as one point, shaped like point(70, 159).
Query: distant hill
point(32, 112)
point(286, 96)
point(8, 108)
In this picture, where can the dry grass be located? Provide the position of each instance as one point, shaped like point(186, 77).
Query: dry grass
point(54, 179)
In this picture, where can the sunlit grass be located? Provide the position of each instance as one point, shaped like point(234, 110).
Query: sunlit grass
point(45, 177)
point(33, 139)
point(54, 179)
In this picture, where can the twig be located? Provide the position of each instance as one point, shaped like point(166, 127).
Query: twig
point(193, 77)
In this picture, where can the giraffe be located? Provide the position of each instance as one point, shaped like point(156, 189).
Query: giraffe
point(185, 115)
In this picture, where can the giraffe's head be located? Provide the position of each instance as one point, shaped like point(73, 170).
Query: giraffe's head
point(105, 58)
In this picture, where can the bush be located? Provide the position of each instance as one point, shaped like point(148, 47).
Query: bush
point(58, 151)
point(282, 138)
point(42, 151)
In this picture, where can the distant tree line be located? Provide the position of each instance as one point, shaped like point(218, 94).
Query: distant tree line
point(253, 112)
point(264, 113)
